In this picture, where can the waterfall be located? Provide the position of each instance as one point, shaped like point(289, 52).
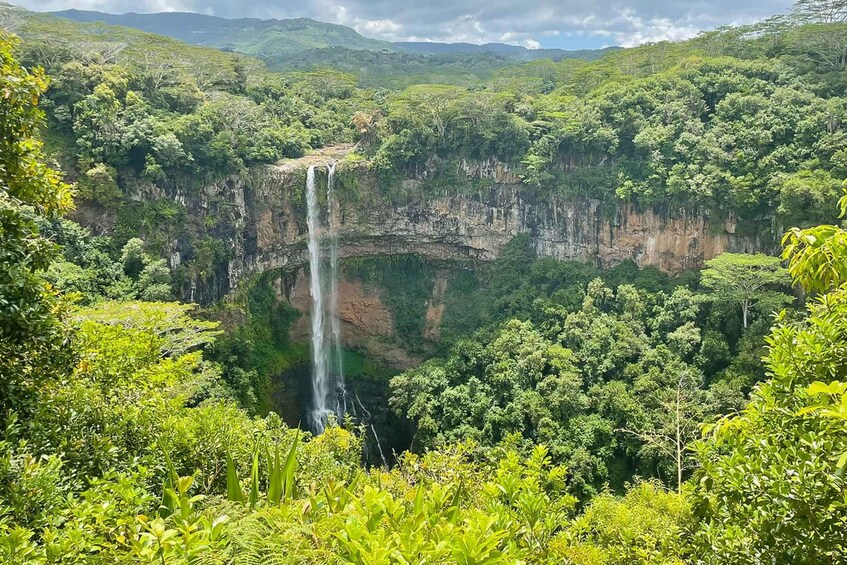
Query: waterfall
point(327, 370)
point(320, 377)
point(328, 389)
point(334, 321)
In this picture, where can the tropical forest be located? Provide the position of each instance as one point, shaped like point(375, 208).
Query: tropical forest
point(282, 291)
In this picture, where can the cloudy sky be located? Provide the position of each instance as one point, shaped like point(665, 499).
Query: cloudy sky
point(569, 24)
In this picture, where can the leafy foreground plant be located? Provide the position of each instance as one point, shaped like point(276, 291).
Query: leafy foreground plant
point(444, 508)
point(281, 478)
point(185, 537)
point(439, 508)
point(772, 485)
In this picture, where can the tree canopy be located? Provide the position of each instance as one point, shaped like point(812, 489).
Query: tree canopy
point(31, 341)
point(747, 280)
point(567, 413)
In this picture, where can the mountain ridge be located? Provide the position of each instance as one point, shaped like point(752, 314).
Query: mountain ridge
point(251, 36)
point(518, 52)
point(273, 38)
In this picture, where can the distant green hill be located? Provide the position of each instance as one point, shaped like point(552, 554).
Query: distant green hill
point(48, 39)
point(274, 40)
point(303, 44)
point(263, 38)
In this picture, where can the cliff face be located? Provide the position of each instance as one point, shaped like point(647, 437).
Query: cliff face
point(367, 323)
point(259, 219)
point(269, 227)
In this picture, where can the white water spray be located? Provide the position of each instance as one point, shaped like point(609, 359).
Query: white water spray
point(327, 370)
point(366, 412)
point(320, 377)
point(328, 391)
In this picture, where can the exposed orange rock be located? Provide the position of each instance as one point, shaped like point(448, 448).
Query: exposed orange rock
point(366, 322)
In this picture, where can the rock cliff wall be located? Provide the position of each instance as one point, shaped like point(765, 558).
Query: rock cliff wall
point(269, 227)
point(258, 219)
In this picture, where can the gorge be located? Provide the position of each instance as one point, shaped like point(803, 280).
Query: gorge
point(274, 228)
point(261, 219)
point(401, 308)
point(264, 219)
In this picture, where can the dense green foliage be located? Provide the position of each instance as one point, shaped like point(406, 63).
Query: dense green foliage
point(580, 416)
point(747, 280)
point(31, 341)
point(727, 133)
point(127, 109)
point(615, 381)
point(164, 123)
point(745, 122)
point(140, 122)
point(256, 352)
point(735, 119)
point(771, 487)
point(92, 268)
point(397, 70)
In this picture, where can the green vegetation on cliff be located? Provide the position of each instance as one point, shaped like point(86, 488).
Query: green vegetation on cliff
point(746, 123)
point(671, 123)
point(580, 416)
point(590, 366)
point(743, 120)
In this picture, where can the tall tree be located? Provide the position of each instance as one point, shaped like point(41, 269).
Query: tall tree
point(747, 280)
point(824, 46)
point(30, 336)
point(771, 485)
point(821, 11)
point(675, 411)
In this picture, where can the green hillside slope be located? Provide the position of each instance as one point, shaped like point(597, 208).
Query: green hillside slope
point(304, 44)
point(263, 38)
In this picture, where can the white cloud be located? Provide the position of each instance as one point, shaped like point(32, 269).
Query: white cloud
point(377, 27)
point(640, 30)
point(532, 23)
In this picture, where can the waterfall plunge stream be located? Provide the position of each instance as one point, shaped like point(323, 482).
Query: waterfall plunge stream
point(328, 397)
